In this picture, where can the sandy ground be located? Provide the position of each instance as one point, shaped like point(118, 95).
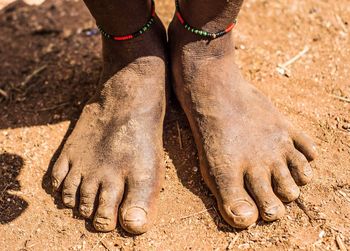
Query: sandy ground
point(49, 67)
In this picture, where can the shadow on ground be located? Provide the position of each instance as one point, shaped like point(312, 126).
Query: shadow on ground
point(11, 206)
point(50, 63)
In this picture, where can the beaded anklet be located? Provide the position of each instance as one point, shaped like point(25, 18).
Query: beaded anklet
point(145, 28)
point(202, 33)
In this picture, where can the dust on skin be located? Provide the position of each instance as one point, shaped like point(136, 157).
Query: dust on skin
point(251, 157)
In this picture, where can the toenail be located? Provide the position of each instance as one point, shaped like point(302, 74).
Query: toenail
point(294, 193)
point(242, 208)
point(85, 209)
point(308, 171)
point(135, 214)
point(271, 211)
point(67, 200)
point(101, 223)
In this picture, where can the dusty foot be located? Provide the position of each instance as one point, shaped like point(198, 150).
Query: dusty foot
point(114, 156)
point(251, 157)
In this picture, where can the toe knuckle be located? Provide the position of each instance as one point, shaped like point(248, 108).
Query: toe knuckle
point(70, 186)
point(68, 193)
point(67, 196)
point(87, 197)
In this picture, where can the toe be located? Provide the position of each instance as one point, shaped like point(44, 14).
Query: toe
point(284, 185)
point(111, 194)
point(88, 195)
point(70, 189)
point(59, 172)
point(259, 184)
point(139, 209)
point(134, 219)
point(235, 205)
point(305, 145)
point(240, 212)
point(299, 167)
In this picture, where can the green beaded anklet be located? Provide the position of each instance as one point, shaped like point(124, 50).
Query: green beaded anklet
point(200, 32)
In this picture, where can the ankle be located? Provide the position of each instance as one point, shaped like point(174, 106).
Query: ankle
point(181, 39)
point(213, 15)
point(118, 54)
point(114, 17)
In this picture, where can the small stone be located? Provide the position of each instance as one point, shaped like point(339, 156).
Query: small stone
point(346, 127)
point(321, 234)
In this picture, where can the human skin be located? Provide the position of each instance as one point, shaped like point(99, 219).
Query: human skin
point(114, 155)
point(251, 157)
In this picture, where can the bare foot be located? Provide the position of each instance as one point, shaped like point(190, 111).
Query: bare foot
point(251, 157)
point(115, 153)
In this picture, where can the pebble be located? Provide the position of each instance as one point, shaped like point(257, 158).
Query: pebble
point(346, 127)
point(321, 234)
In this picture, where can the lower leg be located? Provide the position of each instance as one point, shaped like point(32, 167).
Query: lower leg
point(115, 151)
point(121, 18)
point(251, 157)
point(213, 15)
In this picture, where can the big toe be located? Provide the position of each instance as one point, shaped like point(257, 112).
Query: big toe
point(134, 220)
point(241, 213)
point(139, 209)
point(236, 206)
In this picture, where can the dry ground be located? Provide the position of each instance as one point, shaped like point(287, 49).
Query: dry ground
point(49, 67)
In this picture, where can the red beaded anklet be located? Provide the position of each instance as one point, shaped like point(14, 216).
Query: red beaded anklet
point(145, 28)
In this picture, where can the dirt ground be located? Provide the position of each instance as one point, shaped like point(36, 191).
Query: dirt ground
point(49, 68)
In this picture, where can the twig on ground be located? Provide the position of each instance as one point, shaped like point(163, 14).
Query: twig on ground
point(340, 98)
point(31, 75)
point(340, 243)
point(341, 23)
point(106, 245)
point(232, 242)
point(179, 134)
point(52, 107)
point(195, 214)
point(4, 93)
point(98, 242)
point(344, 195)
point(27, 245)
point(282, 68)
point(170, 121)
point(302, 206)
point(3, 191)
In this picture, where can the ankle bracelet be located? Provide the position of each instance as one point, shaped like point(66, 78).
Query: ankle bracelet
point(200, 32)
point(145, 28)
